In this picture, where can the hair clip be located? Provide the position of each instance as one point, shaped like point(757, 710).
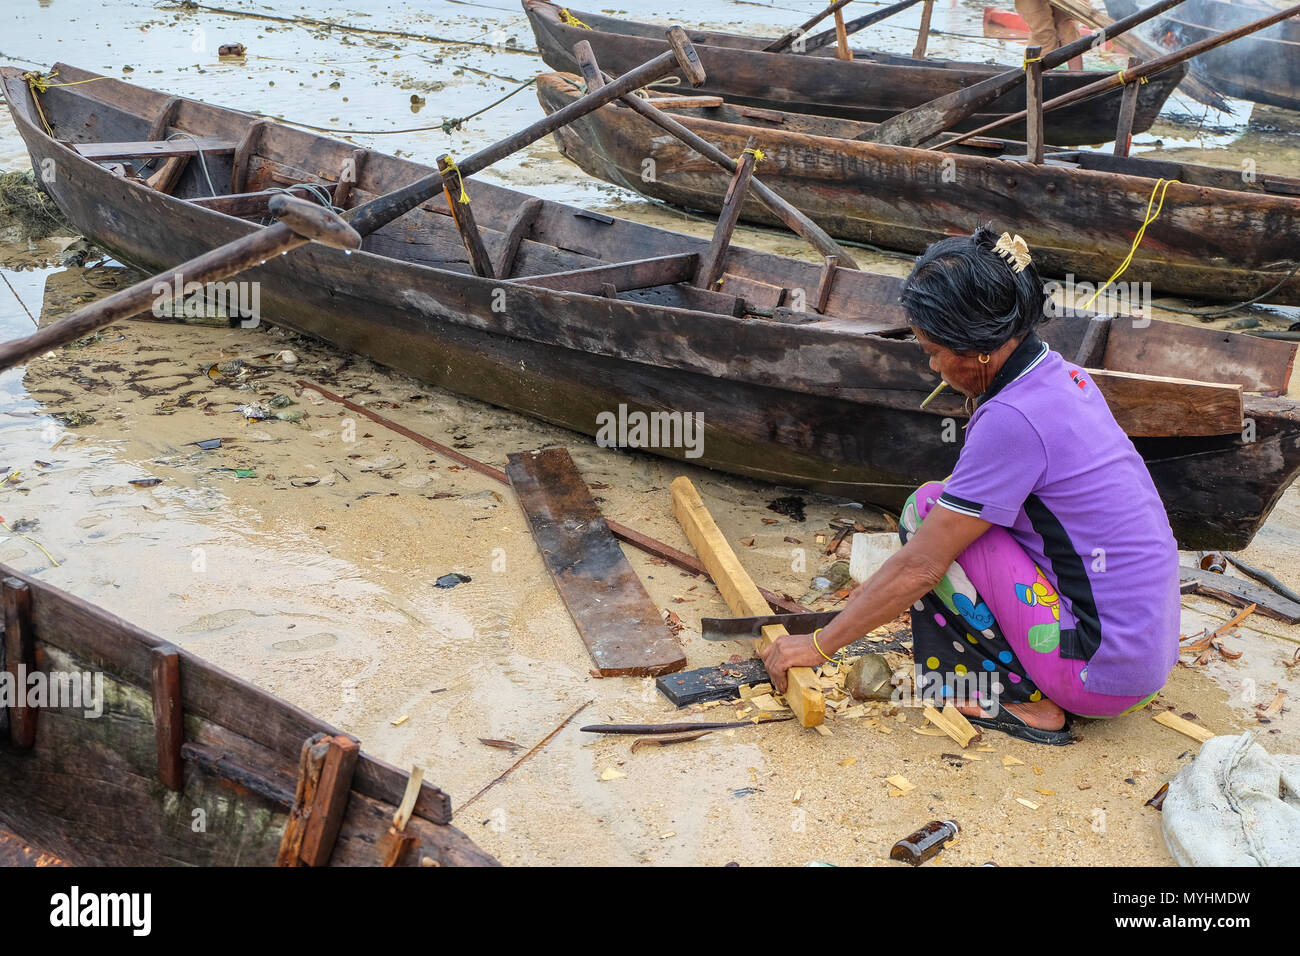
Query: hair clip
point(1014, 250)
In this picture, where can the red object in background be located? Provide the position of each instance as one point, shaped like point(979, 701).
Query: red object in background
point(1007, 24)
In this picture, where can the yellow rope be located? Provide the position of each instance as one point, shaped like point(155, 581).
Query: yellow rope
point(757, 153)
point(1028, 60)
point(1124, 82)
point(1162, 187)
point(453, 168)
point(568, 18)
point(32, 540)
point(40, 82)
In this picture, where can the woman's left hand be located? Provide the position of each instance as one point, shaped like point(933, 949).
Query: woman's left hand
point(790, 650)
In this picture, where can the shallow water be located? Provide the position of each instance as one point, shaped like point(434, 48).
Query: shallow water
point(314, 578)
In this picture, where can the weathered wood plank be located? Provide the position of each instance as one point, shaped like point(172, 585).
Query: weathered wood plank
point(622, 629)
point(516, 231)
point(453, 187)
point(168, 716)
point(20, 658)
point(714, 262)
point(1127, 107)
point(737, 588)
point(1240, 593)
point(639, 274)
point(154, 149)
point(1152, 405)
point(329, 804)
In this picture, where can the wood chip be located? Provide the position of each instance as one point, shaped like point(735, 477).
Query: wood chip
point(1010, 761)
point(500, 744)
point(1026, 803)
point(1038, 771)
point(797, 794)
point(665, 836)
point(848, 762)
point(823, 730)
point(930, 731)
point(756, 690)
point(768, 703)
point(901, 782)
point(611, 774)
point(1046, 793)
point(952, 722)
point(1174, 722)
point(400, 720)
point(1275, 707)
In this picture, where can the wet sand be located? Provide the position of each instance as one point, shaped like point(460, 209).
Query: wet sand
point(315, 578)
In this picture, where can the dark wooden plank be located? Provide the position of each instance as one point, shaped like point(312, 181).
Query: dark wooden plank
point(1150, 405)
point(923, 33)
point(20, 658)
point(1034, 103)
point(520, 224)
point(1239, 593)
point(622, 629)
point(454, 188)
point(168, 717)
point(248, 145)
point(1213, 355)
point(330, 803)
point(311, 763)
point(624, 276)
point(823, 295)
point(1093, 347)
point(714, 262)
point(349, 176)
point(154, 149)
point(1127, 107)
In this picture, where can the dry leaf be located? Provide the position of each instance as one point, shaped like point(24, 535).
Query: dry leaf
point(612, 774)
point(501, 744)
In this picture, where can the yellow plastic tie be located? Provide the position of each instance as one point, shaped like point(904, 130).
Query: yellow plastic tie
point(1028, 60)
point(463, 199)
point(1162, 187)
point(1124, 82)
point(757, 153)
point(568, 18)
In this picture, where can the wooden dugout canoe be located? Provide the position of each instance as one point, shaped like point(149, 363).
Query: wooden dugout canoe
point(825, 401)
point(90, 791)
point(1263, 67)
point(872, 87)
point(1217, 236)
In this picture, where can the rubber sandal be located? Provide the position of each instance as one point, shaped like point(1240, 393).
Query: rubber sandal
point(1008, 723)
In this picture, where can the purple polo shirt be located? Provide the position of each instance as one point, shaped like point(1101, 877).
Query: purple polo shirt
point(1044, 458)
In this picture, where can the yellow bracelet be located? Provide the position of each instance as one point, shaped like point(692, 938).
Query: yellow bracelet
point(818, 646)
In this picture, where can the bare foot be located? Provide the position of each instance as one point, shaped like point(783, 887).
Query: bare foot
point(1043, 714)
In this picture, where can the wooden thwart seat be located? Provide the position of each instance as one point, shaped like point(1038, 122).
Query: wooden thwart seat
point(623, 276)
point(153, 149)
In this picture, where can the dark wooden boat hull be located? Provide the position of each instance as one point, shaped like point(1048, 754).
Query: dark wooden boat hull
point(1078, 212)
point(819, 405)
point(872, 87)
point(88, 791)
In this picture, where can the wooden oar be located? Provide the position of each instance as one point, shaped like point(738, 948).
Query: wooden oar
point(783, 210)
point(1135, 75)
point(924, 122)
point(682, 56)
point(300, 222)
point(778, 46)
point(853, 26)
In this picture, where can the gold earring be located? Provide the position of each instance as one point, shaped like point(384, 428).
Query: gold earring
point(984, 360)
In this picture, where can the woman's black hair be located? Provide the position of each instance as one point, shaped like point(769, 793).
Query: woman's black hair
point(968, 298)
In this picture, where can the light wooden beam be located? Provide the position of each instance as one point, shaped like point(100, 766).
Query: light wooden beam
point(741, 594)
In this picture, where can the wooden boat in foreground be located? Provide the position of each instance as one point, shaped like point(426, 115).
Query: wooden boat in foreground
point(138, 753)
point(1217, 237)
point(804, 373)
point(872, 86)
